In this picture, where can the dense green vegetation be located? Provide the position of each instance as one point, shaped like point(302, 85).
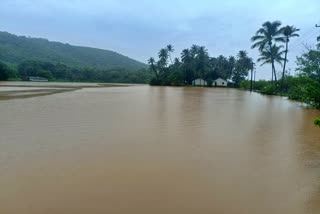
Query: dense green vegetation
point(7, 72)
point(196, 63)
point(61, 72)
point(21, 57)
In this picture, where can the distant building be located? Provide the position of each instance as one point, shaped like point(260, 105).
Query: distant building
point(37, 79)
point(220, 83)
point(216, 83)
point(199, 82)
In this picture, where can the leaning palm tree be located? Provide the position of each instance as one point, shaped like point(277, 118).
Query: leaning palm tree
point(152, 62)
point(265, 38)
point(272, 55)
point(170, 50)
point(288, 32)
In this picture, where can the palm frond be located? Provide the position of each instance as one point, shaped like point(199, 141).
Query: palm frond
point(259, 44)
point(261, 31)
point(257, 37)
point(280, 39)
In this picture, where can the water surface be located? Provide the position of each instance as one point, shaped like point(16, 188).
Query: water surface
point(143, 150)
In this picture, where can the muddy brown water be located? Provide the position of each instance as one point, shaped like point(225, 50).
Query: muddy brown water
point(143, 150)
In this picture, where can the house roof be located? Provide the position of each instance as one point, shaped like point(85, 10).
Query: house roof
point(198, 79)
point(221, 79)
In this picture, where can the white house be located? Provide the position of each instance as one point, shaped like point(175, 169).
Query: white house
point(220, 83)
point(199, 82)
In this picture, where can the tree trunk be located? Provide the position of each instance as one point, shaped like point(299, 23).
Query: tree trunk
point(251, 80)
point(170, 59)
point(275, 74)
point(254, 79)
point(272, 75)
point(284, 65)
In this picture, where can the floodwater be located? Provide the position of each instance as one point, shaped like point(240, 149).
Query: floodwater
point(156, 150)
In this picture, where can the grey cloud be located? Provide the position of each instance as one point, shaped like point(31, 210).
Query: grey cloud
point(138, 28)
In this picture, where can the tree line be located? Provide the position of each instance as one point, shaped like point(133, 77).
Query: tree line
point(195, 62)
point(272, 40)
point(62, 72)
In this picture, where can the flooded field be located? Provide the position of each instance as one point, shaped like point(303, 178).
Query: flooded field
point(155, 150)
point(20, 90)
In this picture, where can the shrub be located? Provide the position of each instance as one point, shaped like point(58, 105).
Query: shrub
point(270, 89)
point(317, 121)
point(306, 90)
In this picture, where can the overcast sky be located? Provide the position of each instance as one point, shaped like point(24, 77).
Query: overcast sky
point(139, 28)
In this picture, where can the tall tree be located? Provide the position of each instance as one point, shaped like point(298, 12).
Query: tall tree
point(194, 50)
point(170, 50)
point(309, 64)
point(202, 62)
point(270, 56)
point(153, 68)
point(265, 37)
point(186, 59)
point(242, 66)
point(163, 59)
point(288, 33)
point(231, 64)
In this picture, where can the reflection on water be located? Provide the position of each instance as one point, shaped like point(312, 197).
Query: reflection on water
point(158, 150)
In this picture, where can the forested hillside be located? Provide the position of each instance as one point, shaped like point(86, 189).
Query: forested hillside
point(22, 57)
point(16, 49)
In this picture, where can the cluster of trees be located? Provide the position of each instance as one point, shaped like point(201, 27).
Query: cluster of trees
point(196, 63)
point(62, 72)
point(269, 40)
point(303, 87)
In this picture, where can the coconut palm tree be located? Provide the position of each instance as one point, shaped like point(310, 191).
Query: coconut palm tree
point(194, 50)
point(185, 55)
point(163, 59)
point(266, 36)
point(288, 33)
point(152, 62)
point(202, 62)
point(242, 65)
point(272, 55)
point(187, 59)
point(170, 50)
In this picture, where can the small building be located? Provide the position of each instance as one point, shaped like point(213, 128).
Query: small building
point(220, 83)
point(199, 82)
point(37, 79)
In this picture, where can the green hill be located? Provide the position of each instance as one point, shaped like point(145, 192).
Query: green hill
point(16, 49)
